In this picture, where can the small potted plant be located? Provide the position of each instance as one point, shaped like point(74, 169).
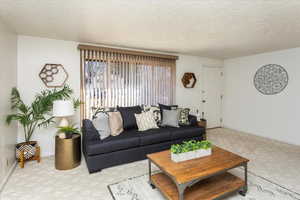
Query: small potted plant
point(67, 132)
point(190, 150)
point(188, 147)
point(176, 153)
point(203, 148)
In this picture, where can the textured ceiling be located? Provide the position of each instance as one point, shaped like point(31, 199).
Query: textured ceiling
point(213, 28)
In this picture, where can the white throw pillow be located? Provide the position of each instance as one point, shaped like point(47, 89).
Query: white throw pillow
point(101, 123)
point(145, 121)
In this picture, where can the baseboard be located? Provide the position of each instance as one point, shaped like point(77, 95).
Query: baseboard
point(214, 128)
point(11, 170)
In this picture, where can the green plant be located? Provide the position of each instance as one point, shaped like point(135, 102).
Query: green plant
point(191, 145)
point(76, 103)
point(37, 114)
point(205, 144)
point(68, 130)
point(176, 148)
point(194, 146)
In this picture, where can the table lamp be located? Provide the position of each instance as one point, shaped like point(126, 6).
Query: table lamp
point(63, 109)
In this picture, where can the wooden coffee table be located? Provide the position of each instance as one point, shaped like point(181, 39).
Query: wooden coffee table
point(203, 178)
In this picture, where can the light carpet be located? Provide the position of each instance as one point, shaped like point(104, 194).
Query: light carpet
point(259, 188)
point(275, 161)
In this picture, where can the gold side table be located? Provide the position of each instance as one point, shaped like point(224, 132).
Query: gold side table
point(67, 152)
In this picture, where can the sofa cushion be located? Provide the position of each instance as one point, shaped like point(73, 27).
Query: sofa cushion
point(115, 123)
point(126, 140)
point(97, 110)
point(193, 120)
point(129, 121)
point(101, 123)
point(154, 136)
point(184, 116)
point(145, 121)
point(89, 131)
point(166, 107)
point(185, 132)
point(155, 111)
point(170, 118)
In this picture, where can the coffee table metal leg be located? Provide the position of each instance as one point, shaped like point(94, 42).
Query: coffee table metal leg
point(150, 182)
point(245, 188)
point(181, 188)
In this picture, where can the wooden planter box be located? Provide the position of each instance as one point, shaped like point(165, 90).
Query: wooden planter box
point(190, 155)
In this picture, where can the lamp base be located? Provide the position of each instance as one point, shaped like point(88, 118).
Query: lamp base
point(63, 122)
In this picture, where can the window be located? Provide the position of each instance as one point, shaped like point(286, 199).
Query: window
point(124, 79)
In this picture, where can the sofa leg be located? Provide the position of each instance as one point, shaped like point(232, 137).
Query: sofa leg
point(94, 171)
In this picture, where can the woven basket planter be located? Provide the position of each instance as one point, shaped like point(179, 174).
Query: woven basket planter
point(29, 149)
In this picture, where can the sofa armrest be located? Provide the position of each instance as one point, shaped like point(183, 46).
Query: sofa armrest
point(89, 133)
point(192, 120)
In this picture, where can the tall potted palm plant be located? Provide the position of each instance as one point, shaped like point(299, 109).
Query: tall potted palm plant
point(34, 115)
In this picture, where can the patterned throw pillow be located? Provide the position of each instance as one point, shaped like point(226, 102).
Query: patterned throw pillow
point(184, 116)
point(101, 123)
point(155, 112)
point(145, 108)
point(97, 110)
point(145, 121)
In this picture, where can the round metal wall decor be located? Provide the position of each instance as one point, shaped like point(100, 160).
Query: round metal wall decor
point(271, 79)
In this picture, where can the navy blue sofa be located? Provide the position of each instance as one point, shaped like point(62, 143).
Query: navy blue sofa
point(132, 145)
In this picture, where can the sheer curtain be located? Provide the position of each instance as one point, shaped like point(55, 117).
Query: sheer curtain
point(111, 77)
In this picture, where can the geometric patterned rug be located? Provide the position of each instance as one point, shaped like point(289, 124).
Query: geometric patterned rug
point(259, 188)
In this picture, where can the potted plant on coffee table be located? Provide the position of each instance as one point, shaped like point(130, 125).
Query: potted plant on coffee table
point(190, 150)
point(33, 116)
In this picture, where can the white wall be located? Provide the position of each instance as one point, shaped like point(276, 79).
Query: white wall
point(8, 79)
point(246, 109)
point(192, 97)
point(34, 52)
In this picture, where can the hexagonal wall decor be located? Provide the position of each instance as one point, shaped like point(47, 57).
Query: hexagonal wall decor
point(189, 80)
point(53, 75)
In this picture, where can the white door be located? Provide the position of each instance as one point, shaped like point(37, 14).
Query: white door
point(212, 96)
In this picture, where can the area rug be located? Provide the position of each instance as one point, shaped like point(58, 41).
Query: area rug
point(259, 188)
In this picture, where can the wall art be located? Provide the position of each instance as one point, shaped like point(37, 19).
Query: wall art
point(271, 79)
point(53, 75)
point(189, 80)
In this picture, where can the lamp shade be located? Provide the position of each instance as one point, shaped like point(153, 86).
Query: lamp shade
point(63, 108)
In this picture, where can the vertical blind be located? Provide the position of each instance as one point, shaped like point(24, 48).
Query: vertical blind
point(113, 77)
